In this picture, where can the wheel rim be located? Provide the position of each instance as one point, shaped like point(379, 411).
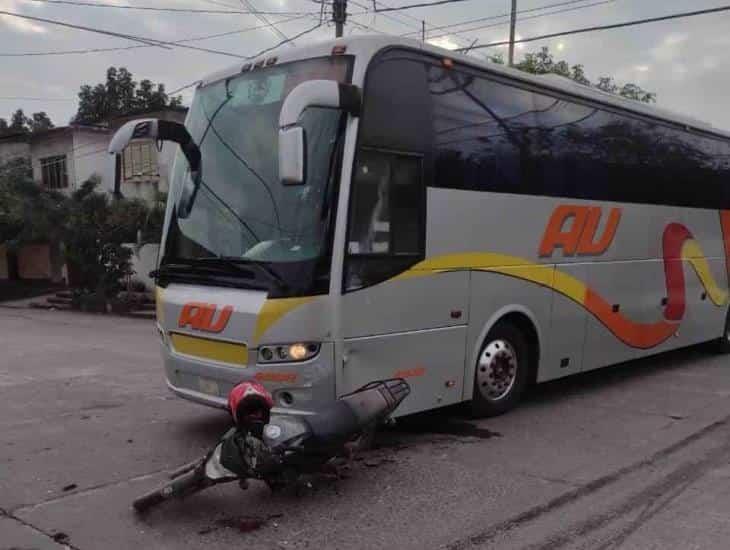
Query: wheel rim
point(497, 370)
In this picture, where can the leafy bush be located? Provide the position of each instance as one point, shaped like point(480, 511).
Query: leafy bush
point(93, 237)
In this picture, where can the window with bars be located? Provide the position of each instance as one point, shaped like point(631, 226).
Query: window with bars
point(140, 159)
point(53, 172)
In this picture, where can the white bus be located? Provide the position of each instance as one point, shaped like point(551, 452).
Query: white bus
point(372, 207)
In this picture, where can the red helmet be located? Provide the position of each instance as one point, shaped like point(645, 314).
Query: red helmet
point(247, 399)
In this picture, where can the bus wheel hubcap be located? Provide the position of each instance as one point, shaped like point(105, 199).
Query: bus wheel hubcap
point(497, 370)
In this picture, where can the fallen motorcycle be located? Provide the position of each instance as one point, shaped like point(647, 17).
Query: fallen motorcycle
point(281, 449)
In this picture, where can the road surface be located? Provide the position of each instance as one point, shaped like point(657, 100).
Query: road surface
point(633, 457)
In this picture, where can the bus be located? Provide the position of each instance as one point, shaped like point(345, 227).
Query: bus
point(375, 207)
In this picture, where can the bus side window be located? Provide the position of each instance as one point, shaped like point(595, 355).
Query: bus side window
point(386, 231)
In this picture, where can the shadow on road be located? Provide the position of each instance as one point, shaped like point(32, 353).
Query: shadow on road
point(456, 420)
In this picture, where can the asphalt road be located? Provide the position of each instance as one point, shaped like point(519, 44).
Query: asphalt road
point(633, 457)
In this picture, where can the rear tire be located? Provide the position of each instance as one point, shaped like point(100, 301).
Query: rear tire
point(722, 345)
point(501, 372)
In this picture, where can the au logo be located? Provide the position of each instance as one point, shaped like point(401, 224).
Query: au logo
point(202, 316)
point(573, 228)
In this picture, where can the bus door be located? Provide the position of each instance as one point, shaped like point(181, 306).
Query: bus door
point(399, 320)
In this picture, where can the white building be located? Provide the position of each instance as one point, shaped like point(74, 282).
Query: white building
point(64, 158)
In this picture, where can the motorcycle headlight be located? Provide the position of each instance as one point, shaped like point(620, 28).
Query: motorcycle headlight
point(288, 353)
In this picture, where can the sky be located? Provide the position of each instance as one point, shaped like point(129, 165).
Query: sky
point(682, 61)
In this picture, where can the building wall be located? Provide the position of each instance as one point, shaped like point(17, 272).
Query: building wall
point(91, 157)
point(34, 262)
point(49, 145)
point(10, 150)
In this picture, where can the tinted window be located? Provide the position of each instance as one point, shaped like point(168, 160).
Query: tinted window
point(493, 136)
point(480, 131)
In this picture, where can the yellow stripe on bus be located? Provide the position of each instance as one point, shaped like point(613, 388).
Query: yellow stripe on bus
point(208, 348)
point(273, 310)
point(692, 252)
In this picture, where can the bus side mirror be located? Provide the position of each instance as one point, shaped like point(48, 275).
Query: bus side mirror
point(292, 139)
point(164, 130)
point(292, 155)
point(156, 129)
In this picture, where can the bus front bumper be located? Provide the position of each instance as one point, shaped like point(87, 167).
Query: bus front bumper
point(297, 388)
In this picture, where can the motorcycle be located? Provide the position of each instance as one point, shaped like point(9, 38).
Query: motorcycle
point(281, 449)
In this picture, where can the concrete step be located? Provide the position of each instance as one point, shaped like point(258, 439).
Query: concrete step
point(142, 314)
point(58, 300)
point(47, 305)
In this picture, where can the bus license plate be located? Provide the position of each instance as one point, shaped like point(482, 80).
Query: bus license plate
point(209, 386)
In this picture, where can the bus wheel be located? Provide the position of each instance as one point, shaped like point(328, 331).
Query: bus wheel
point(501, 371)
point(723, 343)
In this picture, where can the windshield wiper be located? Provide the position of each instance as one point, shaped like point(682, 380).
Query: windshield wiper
point(263, 268)
point(200, 267)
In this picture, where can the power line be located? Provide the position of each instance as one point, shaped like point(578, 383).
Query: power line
point(263, 19)
point(286, 41)
point(173, 10)
point(80, 27)
point(122, 48)
point(606, 27)
point(193, 83)
point(564, 10)
point(148, 41)
point(5, 98)
point(399, 19)
point(500, 16)
point(181, 88)
point(421, 5)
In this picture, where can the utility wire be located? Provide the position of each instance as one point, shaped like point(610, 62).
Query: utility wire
point(607, 27)
point(399, 19)
point(181, 88)
point(195, 82)
point(421, 5)
point(174, 10)
point(148, 41)
point(5, 98)
point(564, 10)
point(286, 41)
point(176, 42)
point(263, 19)
point(500, 16)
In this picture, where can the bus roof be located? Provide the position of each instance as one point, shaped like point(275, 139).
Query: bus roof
point(364, 47)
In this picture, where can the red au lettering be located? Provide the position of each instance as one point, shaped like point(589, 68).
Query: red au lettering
point(580, 235)
point(201, 316)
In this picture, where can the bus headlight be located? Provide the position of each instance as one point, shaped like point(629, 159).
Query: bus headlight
point(288, 353)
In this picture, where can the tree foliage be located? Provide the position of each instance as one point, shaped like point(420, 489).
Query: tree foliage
point(93, 239)
point(543, 62)
point(21, 124)
point(28, 212)
point(120, 95)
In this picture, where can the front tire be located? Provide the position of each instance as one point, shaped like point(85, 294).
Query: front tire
point(501, 372)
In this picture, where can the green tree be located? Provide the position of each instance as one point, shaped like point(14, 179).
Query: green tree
point(94, 232)
point(39, 122)
point(21, 124)
point(18, 122)
point(29, 213)
point(119, 95)
point(543, 62)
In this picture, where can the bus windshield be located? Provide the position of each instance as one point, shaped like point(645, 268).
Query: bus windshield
point(241, 211)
